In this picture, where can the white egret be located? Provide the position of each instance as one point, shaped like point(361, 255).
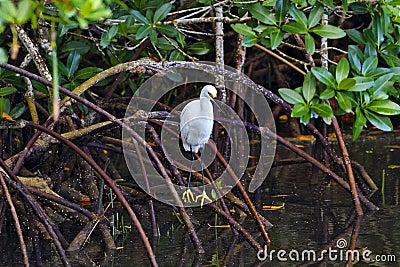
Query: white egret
point(196, 124)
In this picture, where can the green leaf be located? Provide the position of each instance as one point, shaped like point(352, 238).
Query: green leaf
point(267, 31)
point(153, 36)
point(249, 41)
point(346, 84)
point(79, 46)
point(40, 87)
point(381, 83)
point(18, 110)
point(324, 76)
point(176, 56)
point(8, 11)
point(181, 39)
point(391, 60)
point(360, 7)
point(73, 63)
point(345, 4)
point(356, 36)
point(290, 96)
point(369, 36)
point(369, 65)
point(61, 67)
point(386, 20)
point(276, 38)
point(92, 10)
point(123, 29)
point(315, 16)
point(5, 91)
point(328, 93)
point(342, 70)
point(3, 56)
point(162, 12)
point(294, 27)
point(150, 15)
point(168, 30)
point(261, 27)
point(165, 45)
point(379, 121)
point(266, 42)
point(370, 50)
point(25, 10)
point(306, 118)
point(310, 44)
point(112, 32)
point(243, 29)
point(281, 9)
point(358, 123)
point(298, 15)
point(344, 101)
point(360, 119)
point(143, 31)
point(1, 106)
point(104, 40)
point(384, 107)
point(355, 57)
point(302, 3)
point(199, 48)
point(87, 73)
point(309, 87)
point(362, 84)
point(262, 14)
point(377, 29)
point(214, 196)
point(378, 72)
point(323, 110)
point(7, 105)
point(139, 17)
point(329, 31)
point(299, 110)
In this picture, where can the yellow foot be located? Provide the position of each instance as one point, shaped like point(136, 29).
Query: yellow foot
point(187, 196)
point(203, 196)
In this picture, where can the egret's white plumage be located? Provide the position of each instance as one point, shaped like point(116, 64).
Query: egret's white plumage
point(197, 119)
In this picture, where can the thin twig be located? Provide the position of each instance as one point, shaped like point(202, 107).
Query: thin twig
point(349, 169)
point(16, 220)
point(219, 53)
point(279, 58)
point(38, 210)
point(113, 186)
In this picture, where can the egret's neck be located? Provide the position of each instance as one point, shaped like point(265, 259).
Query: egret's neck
point(205, 104)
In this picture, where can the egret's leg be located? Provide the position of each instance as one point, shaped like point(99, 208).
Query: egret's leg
point(203, 196)
point(188, 195)
point(202, 167)
point(191, 167)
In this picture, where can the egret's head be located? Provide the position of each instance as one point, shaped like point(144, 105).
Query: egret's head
point(209, 90)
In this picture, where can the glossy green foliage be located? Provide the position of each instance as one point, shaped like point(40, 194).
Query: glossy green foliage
point(285, 17)
point(359, 87)
point(365, 82)
point(92, 35)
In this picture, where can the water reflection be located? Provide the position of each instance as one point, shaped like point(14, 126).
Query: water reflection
point(307, 223)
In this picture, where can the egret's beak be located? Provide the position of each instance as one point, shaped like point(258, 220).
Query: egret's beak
point(216, 103)
point(212, 95)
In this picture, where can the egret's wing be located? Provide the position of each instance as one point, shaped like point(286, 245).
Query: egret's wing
point(196, 122)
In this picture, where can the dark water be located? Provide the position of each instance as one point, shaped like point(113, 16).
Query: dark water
point(305, 225)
